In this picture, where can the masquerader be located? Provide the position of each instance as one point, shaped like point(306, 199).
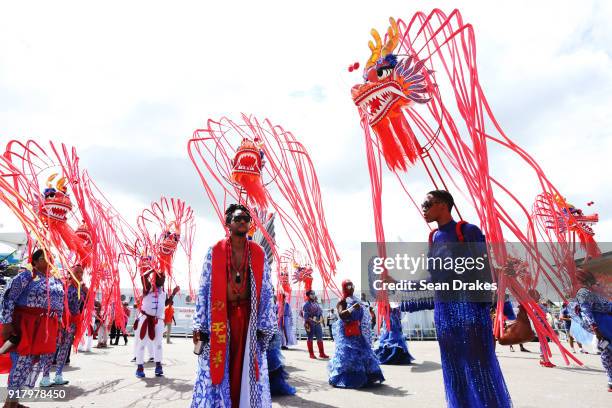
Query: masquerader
point(72, 328)
point(313, 318)
point(354, 364)
point(234, 320)
point(32, 307)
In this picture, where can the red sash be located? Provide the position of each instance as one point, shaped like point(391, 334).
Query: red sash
point(352, 328)
point(38, 330)
point(218, 298)
point(148, 326)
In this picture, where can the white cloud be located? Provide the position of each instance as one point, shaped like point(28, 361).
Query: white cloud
point(137, 78)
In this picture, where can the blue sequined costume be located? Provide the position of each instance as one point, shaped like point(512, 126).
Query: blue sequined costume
point(354, 364)
point(472, 375)
point(392, 347)
point(276, 370)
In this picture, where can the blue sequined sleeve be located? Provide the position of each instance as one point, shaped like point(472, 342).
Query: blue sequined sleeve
point(17, 286)
point(201, 319)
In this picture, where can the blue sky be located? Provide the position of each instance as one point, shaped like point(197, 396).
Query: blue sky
point(128, 82)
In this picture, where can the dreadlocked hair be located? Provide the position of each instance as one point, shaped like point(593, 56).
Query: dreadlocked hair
point(231, 209)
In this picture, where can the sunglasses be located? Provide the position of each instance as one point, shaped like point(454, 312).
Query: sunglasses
point(238, 218)
point(426, 205)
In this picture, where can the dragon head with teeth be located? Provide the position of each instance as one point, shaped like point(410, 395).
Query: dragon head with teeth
point(83, 233)
point(56, 205)
point(578, 222)
point(145, 265)
point(246, 171)
point(169, 241)
point(303, 274)
point(392, 84)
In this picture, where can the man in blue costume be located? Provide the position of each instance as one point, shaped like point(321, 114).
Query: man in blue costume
point(313, 318)
point(234, 321)
point(472, 375)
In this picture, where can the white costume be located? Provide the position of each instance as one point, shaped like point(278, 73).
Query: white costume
point(151, 318)
point(149, 344)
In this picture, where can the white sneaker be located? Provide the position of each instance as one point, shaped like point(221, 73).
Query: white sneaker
point(45, 382)
point(59, 380)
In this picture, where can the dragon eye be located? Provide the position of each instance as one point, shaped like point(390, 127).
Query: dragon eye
point(383, 72)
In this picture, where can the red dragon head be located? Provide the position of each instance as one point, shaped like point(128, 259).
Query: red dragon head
point(390, 85)
point(578, 221)
point(169, 240)
point(303, 274)
point(56, 204)
point(246, 170)
point(145, 265)
point(83, 233)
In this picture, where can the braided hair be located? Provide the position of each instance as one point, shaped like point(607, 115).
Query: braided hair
point(230, 212)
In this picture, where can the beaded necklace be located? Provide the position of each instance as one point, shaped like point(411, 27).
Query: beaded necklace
point(238, 285)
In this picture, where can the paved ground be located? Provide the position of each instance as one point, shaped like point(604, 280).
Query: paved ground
point(105, 378)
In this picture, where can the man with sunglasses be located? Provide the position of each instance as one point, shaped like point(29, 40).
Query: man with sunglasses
point(471, 371)
point(234, 320)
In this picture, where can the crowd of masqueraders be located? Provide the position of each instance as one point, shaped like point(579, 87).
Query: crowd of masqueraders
point(239, 338)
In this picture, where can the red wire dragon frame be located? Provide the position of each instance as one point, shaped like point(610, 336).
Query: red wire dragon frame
point(165, 227)
point(421, 101)
point(566, 230)
point(261, 165)
point(68, 217)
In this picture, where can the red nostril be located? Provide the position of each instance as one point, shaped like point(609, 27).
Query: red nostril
point(356, 65)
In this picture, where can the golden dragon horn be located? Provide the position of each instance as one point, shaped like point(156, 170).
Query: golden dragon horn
point(50, 179)
point(392, 38)
point(376, 48)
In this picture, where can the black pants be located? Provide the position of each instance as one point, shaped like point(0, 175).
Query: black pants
point(115, 334)
point(331, 334)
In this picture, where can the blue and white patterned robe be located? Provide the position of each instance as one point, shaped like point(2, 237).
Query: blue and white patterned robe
point(590, 308)
point(253, 393)
point(28, 291)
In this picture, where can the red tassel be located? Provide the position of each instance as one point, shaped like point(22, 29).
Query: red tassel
point(253, 187)
point(391, 150)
